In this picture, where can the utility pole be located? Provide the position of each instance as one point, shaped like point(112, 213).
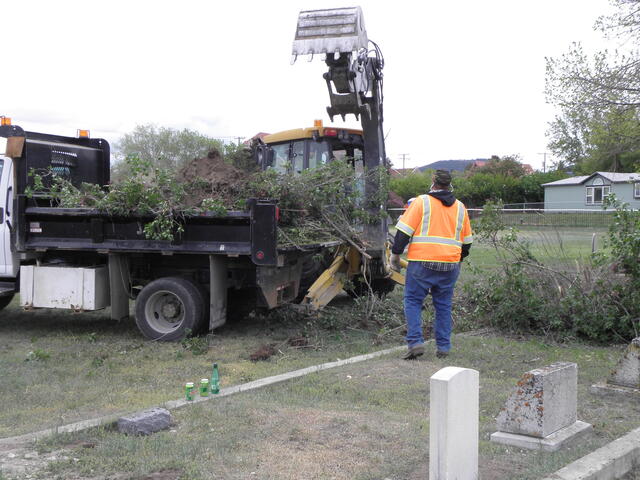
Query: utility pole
point(544, 161)
point(404, 157)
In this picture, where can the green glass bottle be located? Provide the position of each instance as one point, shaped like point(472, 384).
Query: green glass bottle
point(215, 379)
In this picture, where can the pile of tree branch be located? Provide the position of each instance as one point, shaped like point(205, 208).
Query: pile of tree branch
point(317, 205)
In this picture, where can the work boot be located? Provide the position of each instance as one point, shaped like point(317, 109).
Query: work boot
point(442, 354)
point(413, 352)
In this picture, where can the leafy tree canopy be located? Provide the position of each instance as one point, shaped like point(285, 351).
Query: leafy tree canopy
point(478, 189)
point(598, 97)
point(164, 147)
point(508, 166)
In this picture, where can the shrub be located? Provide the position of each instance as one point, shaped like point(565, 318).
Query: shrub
point(525, 295)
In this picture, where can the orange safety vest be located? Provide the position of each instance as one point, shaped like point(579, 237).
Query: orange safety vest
point(437, 232)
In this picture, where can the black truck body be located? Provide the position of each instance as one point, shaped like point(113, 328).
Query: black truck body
point(180, 285)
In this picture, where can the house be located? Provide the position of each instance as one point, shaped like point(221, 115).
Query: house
point(587, 192)
point(453, 165)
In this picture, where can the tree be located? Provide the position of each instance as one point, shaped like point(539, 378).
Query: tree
point(412, 185)
point(599, 98)
point(607, 139)
point(508, 166)
point(163, 147)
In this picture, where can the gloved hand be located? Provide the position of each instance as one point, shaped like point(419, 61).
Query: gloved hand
point(394, 260)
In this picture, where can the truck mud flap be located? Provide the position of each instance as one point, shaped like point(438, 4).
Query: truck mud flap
point(278, 285)
point(264, 235)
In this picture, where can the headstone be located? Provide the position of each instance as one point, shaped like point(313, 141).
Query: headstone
point(453, 428)
point(541, 411)
point(146, 422)
point(625, 378)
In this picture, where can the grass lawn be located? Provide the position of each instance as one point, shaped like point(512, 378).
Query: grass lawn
point(561, 245)
point(60, 367)
point(364, 421)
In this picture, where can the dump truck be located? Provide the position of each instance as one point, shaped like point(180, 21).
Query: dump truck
point(84, 259)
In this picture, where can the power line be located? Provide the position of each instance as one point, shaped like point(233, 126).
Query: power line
point(544, 161)
point(404, 157)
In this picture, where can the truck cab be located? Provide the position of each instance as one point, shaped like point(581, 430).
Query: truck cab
point(9, 264)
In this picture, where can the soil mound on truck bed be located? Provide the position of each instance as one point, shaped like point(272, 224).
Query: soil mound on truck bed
point(211, 177)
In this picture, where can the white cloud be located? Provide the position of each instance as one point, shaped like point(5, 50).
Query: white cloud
point(463, 79)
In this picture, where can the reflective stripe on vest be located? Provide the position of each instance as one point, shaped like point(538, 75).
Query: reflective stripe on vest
point(460, 220)
point(440, 240)
point(444, 248)
point(426, 214)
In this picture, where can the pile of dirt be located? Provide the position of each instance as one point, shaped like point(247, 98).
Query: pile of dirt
point(211, 177)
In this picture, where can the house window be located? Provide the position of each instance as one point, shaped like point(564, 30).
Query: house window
point(595, 194)
point(636, 190)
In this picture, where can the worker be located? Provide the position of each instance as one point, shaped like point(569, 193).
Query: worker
point(436, 227)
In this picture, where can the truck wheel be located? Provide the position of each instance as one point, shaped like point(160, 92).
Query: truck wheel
point(312, 267)
point(169, 308)
point(5, 300)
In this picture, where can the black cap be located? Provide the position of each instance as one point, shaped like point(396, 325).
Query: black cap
point(442, 177)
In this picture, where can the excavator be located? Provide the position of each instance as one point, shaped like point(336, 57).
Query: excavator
point(354, 81)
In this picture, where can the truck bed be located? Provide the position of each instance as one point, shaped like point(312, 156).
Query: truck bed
point(252, 232)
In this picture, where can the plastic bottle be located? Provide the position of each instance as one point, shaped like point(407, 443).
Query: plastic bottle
point(215, 379)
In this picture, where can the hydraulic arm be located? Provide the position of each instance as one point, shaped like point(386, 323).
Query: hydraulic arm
point(354, 81)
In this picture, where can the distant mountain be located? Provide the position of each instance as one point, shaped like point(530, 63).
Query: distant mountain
point(458, 165)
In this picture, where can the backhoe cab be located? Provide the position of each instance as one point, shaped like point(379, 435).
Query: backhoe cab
point(295, 150)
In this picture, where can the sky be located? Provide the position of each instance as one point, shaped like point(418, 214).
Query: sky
point(463, 79)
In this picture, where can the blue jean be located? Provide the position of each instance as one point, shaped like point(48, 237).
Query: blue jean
point(419, 282)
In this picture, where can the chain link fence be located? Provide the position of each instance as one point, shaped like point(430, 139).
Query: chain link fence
point(536, 217)
point(518, 215)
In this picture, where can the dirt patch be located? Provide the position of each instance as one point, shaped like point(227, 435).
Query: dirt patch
point(298, 341)
point(309, 443)
point(211, 177)
point(23, 462)
point(263, 353)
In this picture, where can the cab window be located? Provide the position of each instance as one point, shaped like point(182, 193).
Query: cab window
point(281, 157)
point(318, 154)
point(297, 156)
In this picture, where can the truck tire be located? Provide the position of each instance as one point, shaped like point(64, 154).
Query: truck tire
point(5, 300)
point(170, 308)
point(312, 267)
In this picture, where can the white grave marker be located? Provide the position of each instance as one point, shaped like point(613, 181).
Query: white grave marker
point(453, 428)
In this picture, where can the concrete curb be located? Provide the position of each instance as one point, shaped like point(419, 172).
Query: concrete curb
point(174, 404)
point(607, 463)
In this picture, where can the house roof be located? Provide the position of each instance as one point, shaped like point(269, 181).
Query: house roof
point(400, 172)
point(613, 177)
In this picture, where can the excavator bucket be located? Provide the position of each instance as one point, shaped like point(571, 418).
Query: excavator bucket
point(330, 31)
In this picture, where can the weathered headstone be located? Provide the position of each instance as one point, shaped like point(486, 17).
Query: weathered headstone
point(541, 411)
point(146, 422)
point(625, 378)
point(453, 428)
